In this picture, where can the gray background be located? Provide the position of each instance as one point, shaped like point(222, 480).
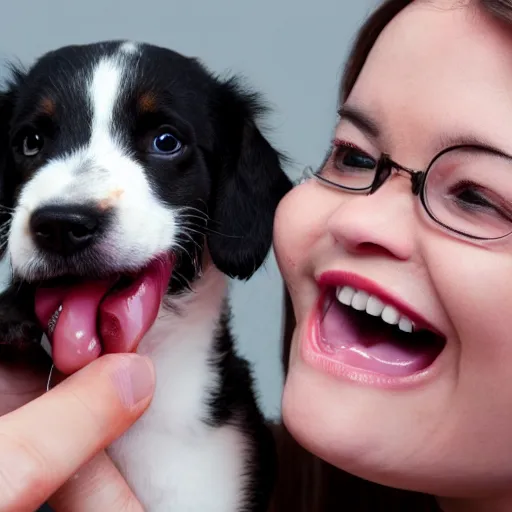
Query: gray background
point(291, 51)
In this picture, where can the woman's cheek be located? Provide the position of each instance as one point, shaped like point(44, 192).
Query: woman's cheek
point(286, 236)
point(298, 224)
point(474, 294)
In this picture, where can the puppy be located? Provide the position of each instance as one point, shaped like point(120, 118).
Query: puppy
point(134, 183)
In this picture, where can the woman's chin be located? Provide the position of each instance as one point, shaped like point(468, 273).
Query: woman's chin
point(334, 430)
point(369, 431)
point(340, 438)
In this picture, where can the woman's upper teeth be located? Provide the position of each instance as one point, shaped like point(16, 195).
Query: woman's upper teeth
point(363, 301)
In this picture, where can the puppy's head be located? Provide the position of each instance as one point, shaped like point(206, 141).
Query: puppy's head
point(114, 153)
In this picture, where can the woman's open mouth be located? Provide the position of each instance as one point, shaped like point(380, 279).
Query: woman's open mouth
point(358, 334)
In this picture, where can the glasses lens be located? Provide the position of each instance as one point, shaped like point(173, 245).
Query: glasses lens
point(350, 168)
point(469, 190)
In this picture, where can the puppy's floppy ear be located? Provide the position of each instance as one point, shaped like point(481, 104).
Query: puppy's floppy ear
point(248, 184)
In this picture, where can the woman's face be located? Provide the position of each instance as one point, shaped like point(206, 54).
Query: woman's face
point(429, 412)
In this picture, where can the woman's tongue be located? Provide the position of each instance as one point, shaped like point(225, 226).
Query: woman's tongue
point(365, 342)
point(93, 320)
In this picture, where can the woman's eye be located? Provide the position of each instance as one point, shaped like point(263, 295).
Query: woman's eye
point(472, 198)
point(166, 144)
point(352, 158)
point(32, 144)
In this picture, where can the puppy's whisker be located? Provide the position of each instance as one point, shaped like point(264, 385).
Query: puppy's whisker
point(184, 281)
point(189, 232)
point(183, 249)
point(188, 217)
point(189, 207)
point(213, 232)
point(191, 240)
point(197, 214)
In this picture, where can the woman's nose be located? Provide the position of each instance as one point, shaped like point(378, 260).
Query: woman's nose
point(380, 223)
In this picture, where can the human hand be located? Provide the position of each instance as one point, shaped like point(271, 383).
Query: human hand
point(51, 444)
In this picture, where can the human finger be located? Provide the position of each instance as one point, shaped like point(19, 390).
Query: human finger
point(96, 486)
point(44, 442)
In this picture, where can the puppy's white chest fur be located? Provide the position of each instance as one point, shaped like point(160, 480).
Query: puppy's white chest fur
point(172, 459)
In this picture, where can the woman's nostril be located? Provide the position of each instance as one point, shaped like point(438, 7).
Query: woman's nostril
point(370, 248)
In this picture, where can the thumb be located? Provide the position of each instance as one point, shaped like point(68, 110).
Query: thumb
point(46, 441)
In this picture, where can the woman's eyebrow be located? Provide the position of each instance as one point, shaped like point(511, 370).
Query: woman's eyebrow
point(359, 119)
point(447, 140)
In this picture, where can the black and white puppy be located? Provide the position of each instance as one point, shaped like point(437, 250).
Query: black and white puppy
point(117, 155)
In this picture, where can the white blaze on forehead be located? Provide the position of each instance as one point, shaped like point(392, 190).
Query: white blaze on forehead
point(103, 94)
point(102, 172)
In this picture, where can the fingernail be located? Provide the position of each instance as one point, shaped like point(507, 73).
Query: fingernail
point(134, 380)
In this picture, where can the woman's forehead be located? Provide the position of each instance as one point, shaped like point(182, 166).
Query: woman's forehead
point(437, 69)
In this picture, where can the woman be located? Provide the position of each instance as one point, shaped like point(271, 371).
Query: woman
point(407, 219)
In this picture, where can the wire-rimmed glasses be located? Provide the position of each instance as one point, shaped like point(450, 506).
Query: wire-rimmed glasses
point(467, 189)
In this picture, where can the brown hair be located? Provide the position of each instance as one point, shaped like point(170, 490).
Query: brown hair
point(306, 483)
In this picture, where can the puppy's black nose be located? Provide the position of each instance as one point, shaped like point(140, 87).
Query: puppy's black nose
point(66, 229)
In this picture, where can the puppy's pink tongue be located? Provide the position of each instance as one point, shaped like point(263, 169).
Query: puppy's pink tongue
point(94, 319)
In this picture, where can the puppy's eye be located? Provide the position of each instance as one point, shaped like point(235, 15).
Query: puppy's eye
point(32, 144)
point(165, 143)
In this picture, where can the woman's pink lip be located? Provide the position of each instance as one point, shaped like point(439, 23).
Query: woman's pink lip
point(335, 278)
point(314, 356)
